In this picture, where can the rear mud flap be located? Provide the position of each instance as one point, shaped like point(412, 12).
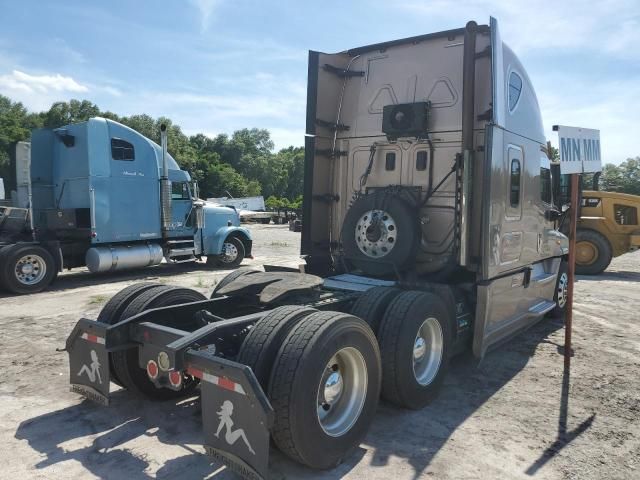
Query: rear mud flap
point(89, 361)
point(236, 414)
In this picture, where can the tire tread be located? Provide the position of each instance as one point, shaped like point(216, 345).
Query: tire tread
point(389, 338)
point(291, 354)
point(259, 341)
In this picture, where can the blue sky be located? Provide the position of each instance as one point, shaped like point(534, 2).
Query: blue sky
point(214, 66)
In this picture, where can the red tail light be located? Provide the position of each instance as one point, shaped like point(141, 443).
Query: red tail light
point(152, 369)
point(175, 378)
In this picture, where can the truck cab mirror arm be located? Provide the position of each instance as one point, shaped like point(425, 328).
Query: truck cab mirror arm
point(552, 214)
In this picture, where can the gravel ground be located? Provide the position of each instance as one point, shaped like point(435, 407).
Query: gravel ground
point(516, 415)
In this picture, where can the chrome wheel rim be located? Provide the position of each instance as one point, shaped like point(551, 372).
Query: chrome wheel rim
point(428, 348)
point(376, 233)
point(563, 287)
point(230, 252)
point(30, 269)
point(342, 392)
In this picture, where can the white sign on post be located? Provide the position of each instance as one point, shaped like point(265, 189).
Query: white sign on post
point(579, 149)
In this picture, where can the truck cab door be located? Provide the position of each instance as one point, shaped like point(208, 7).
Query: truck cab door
point(181, 204)
point(512, 232)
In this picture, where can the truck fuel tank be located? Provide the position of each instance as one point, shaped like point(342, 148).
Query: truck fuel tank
point(109, 259)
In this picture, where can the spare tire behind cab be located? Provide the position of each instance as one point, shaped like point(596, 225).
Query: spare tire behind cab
point(380, 233)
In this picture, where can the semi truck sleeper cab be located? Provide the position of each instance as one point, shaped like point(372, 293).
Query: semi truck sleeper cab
point(427, 231)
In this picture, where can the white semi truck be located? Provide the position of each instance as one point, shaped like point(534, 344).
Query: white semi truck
point(429, 230)
point(251, 209)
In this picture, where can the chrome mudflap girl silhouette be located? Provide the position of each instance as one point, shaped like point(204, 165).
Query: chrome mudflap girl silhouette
point(231, 436)
point(93, 369)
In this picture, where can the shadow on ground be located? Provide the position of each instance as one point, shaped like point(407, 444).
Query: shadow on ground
point(619, 276)
point(57, 435)
point(85, 278)
point(415, 436)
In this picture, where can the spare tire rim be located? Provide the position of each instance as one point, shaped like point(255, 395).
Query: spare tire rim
point(342, 391)
point(230, 252)
point(428, 348)
point(376, 233)
point(30, 269)
point(563, 287)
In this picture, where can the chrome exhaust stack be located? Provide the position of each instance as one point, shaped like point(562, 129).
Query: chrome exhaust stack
point(165, 184)
point(468, 119)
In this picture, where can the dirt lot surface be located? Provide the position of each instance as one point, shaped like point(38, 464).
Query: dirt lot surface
point(517, 415)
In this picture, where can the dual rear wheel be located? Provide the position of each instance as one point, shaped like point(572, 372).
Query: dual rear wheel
point(135, 299)
point(324, 371)
point(414, 332)
point(322, 374)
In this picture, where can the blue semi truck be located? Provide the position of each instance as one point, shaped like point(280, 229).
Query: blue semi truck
point(101, 195)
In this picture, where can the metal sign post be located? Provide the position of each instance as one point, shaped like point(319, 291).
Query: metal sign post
point(579, 153)
point(571, 271)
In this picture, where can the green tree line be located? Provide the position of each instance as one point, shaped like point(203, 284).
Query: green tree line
point(241, 164)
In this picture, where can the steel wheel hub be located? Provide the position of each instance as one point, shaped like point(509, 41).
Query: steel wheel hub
point(30, 269)
point(428, 348)
point(376, 233)
point(586, 253)
point(563, 287)
point(230, 252)
point(342, 392)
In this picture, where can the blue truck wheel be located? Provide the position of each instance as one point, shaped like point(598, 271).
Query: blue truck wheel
point(233, 253)
point(26, 268)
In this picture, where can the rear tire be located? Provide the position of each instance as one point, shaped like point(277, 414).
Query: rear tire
point(332, 359)
point(227, 279)
point(372, 304)
point(2, 250)
point(415, 344)
point(125, 362)
point(260, 347)
point(112, 312)
point(26, 268)
point(593, 252)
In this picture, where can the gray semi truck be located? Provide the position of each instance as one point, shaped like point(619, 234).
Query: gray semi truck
point(100, 194)
point(429, 230)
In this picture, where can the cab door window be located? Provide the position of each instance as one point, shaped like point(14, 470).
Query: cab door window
point(545, 180)
point(625, 214)
point(180, 191)
point(515, 173)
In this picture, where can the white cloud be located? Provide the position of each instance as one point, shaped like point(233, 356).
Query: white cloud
point(25, 82)
point(286, 137)
point(260, 100)
point(205, 9)
point(113, 91)
point(604, 106)
point(570, 30)
point(608, 26)
point(38, 91)
point(64, 51)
